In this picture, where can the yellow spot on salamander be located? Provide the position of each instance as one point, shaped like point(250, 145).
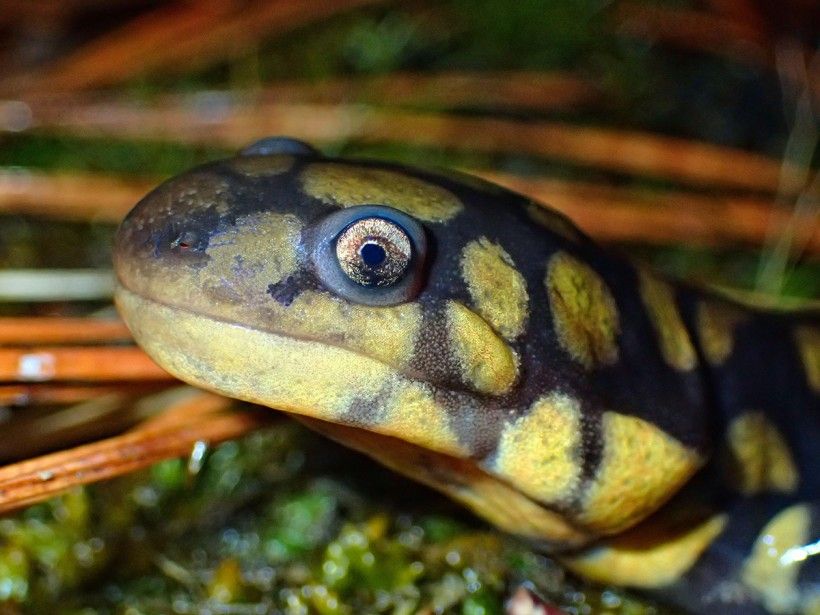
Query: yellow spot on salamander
point(553, 222)
point(303, 377)
point(676, 345)
point(645, 558)
point(584, 311)
point(768, 571)
point(716, 329)
point(385, 333)
point(258, 250)
point(641, 467)
point(348, 185)
point(487, 363)
point(413, 414)
point(496, 287)
point(513, 512)
point(307, 378)
point(540, 452)
point(760, 458)
point(490, 498)
point(808, 343)
point(261, 166)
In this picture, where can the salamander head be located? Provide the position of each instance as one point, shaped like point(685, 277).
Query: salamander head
point(348, 271)
point(403, 312)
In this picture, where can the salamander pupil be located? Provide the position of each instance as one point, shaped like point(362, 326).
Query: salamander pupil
point(372, 254)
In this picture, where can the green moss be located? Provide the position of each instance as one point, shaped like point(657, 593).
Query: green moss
point(280, 520)
point(298, 522)
point(15, 571)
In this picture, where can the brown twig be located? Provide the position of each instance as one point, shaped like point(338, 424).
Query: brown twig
point(55, 330)
point(193, 405)
point(458, 89)
point(694, 29)
point(604, 148)
point(662, 217)
point(60, 394)
point(87, 364)
point(78, 196)
point(180, 37)
point(27, 482)
point(742, 11)
point(123, 52)
point(517, 89)
point(41, 430)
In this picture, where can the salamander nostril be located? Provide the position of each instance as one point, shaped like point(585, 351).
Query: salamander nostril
point(184, 241)
point(372, 254)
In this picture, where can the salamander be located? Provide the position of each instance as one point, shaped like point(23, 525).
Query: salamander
point(650, 434)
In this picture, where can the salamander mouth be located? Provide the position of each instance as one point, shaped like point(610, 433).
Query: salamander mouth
point(145, 316)
point(124, 294)
point(319, 384)
point(463, 480)
point(305, 377)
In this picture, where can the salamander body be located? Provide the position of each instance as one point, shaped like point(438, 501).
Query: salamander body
point(650, 434)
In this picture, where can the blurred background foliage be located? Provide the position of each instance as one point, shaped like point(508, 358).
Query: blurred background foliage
point(722, 72)
point(683, 132)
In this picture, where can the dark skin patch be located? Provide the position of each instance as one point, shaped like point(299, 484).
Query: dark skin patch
point(432, 355)
point(284, 292)
point(591, 442)
point(366, 411)
point(292, 286)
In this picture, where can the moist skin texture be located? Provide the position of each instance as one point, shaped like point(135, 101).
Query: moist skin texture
point(650, 434)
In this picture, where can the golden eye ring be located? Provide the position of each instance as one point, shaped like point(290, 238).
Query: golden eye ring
point(374, 251)
point(369, 254)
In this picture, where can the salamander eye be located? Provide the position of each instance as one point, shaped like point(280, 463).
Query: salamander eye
point(370, 254)
point(374, 252)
